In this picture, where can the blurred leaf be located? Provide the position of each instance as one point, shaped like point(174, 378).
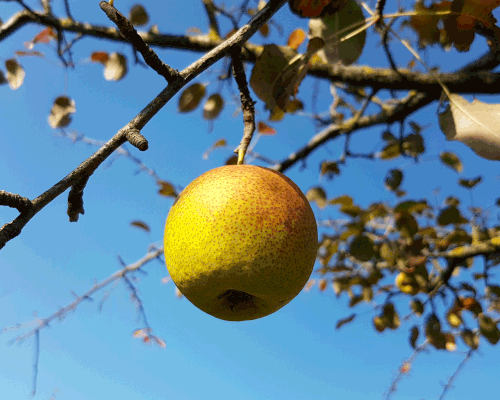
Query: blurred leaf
point(451, 160)
point(390, 151)
point(166, 189)
point(450, 215)
point(233, 160)
point(264, 30)
point(293, 106)
point(452, 201)
point(470, 339)
point(213, 106)
point(317, 195)
point(138, 15)
point(413, 145)
point(344, 200)
point(60, 114)
point(45, 36)
point(488, 328)
point(393, 179)
point(330, 169)
point(414, 336)
point(29, 53)
point(265, 129)
point(100, 57)
point(322, 285)
point(389, 253)
point(406, 224)
point(314, 8)
point(115, 68)
point(296, 38)
point(417, 306)
point(450, 342)
point(469, 183)
point(331, 27)
point(218, 143)
point(354, 300)
point(379, 323)
point(15, 73)
point(191, 97)
point(361, 248)
point(277, 114)
point(343, 321)
point(141, 225)
point(388, 136)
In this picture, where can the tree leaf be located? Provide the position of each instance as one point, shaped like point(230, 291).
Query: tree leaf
point(450, 215)
point(469, 183)
point(329, 168)
point(265, 129)
point(213, 106)
point(343, 321)
point(100, 57)
point(318, 195)
point(314, 8)
point(474, 124)
point(138, 15)
point(115, 68)
point(141, 225)
point(361, 248)
point(390, 151)
point(166, 189)
point(191, 97)
point(296, 38)
point(414, 336)
point(334, 26)
point(451, 160)
point(219, 143)
point(488, 328)
point(344, 200)
point(15, 73)
point(60, 114)
point(393, 179)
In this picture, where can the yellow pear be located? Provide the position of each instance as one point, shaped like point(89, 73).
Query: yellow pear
point(240, 242)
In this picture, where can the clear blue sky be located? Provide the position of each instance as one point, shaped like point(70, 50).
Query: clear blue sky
point(295, 353)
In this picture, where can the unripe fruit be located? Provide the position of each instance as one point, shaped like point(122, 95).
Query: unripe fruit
point(240, 242)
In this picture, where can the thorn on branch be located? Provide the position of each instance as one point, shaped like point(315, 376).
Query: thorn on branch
point(247, 105)
point(75, 199)
point(136, 139)
point(128, 31)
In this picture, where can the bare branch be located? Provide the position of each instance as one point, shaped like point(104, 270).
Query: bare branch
point(455, 374)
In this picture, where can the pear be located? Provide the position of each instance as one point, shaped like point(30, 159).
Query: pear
point(240, 242)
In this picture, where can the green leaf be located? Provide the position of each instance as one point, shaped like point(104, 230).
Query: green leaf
point(450, 215)
point(329, 168)
point(138, 15)
point(344, 200)
point(343, 321)
point(213, 106)
point(451, 160)
point(390, 151)
point(166, 189)
point(361, 248)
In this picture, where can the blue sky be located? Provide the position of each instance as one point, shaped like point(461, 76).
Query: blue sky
point(295, 353)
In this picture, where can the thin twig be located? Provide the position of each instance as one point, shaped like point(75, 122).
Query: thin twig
point(128, 30)
point(455, 374)
point(247, 105)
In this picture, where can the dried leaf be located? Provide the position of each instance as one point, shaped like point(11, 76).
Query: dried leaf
point(296, 38)
point(474, 124)
point(138, 15)
point(213, 106)
point(60, 114)
point(314, 8)
point(265, 129)
point(115, 68)
point(218, 143)
point(330, 169)
point(100, 57)
point(29, 53)
point(141, 225)
point(191, 97)
point(15, 73)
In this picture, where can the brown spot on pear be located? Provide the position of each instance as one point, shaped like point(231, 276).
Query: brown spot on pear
point(240, 242)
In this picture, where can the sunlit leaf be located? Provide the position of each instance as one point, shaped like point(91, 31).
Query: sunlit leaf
point(191, 97)
point(213, 106)
point(470, 338)
point(318, 195)
point(390, 151)
point(344, 200)
point(60, 114)
point(474, 124)
point(115, 68)
point(296, 38)
point(334, 26)
point(15, 73)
